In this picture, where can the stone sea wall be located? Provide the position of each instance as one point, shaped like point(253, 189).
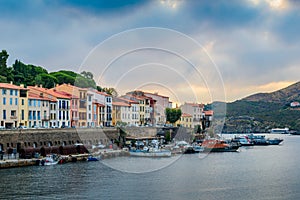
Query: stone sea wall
point(37, 138)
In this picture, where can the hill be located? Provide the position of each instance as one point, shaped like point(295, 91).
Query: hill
point(263, 111)
point(283, 96)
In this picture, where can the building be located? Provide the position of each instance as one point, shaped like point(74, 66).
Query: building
point(295, 104)
point(38, 111)
point(146, 109)
point(13, 105)
point(134, 114)
point(121, 113)
point(94, 107)
point(194, 109)
point(161, 103)
point(59, 106)
point(185, 120)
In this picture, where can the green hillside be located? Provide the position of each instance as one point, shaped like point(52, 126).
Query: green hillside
point(263, 111)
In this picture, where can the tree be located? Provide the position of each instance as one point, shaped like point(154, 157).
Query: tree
point(3, 63)
point(173, 114)
point(47, 80)
point(88, 75)
point(111, 91)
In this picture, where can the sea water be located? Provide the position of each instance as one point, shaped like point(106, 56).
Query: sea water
point(258, 172)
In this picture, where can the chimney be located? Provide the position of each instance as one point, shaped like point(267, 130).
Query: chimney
point(57, 85)
point(22, 85)
point(11, 82)
point(41, 86)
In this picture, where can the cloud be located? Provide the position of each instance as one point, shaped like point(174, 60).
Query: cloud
point(252, 42)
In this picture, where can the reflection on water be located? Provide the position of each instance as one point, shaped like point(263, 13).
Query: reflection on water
point(259, 172)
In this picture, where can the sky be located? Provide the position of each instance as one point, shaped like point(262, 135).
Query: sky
point(192, 51)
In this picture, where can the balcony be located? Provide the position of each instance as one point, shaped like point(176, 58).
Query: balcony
point(13, 117)
point(75, 118)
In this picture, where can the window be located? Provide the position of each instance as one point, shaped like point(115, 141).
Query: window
point(3, 91)
point(22, 102)
point(11, 92)
point(89, 107)
point(39, 115)
point(4, 114)
point(16, 101)
point(4, 100)
point(16, 92)
point(30, 115)
point(10, 101)
point(90, 98)
point(34, 115)
point(22, 115)
point(34, 102)
point(13, 113)
point(39, 103)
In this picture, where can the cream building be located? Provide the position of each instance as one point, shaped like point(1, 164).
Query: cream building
point(13, 105)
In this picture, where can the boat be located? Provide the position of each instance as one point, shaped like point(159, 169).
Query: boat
point(258, 139)
point(216, 145)
point(274, 141)
point(92, 158)
point(150, 152)
point(51, 159)
point(280, 130)
point(243, 141)
point(294, 133)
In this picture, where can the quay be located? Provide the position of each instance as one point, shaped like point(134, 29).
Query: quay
point(104, 154)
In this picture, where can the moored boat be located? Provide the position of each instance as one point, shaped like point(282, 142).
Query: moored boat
point(216, 145)
point(51, 159)
point(92, 158)
point(274, 141)
point(150, 152)
point(258, 139)
point(243, 141)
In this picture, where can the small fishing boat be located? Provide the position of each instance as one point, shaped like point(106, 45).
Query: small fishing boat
point(51, 159)
point(216, 145)
point(92, 158)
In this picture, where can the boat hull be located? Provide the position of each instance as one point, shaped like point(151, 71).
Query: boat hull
point(150, 154)
point(220, 149)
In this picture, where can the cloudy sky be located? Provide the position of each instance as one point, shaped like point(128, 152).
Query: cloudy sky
point(189, 50)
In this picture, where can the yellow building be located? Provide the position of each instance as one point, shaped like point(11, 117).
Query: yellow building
point(13, 106)
point(185, 120)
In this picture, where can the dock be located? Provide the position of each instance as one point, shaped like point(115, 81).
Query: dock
point(103, 154)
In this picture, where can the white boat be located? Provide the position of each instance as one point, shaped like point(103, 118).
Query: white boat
point(50, 159)
point(150, 152)
point(280, 130)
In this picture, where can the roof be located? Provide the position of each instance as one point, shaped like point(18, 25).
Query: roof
point(35, 96)
point(155, 94)
point(209, 112)
point(120, 104)
point(50, 92)
point(194, 104)
point(67, 94)
point(11, 86)
point(102, 93)
point(186, 115)
point(127, 100)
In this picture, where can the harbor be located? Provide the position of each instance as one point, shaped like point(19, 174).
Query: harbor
point(262, 170)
